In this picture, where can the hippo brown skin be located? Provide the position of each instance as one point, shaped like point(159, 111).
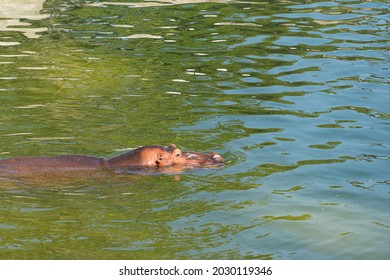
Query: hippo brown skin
point(195, 159)
point(146, 157)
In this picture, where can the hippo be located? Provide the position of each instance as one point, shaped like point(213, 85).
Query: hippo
point(147, 157)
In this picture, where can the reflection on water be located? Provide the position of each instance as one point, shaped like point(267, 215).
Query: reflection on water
point(13, 16)
point(152, 3)
point(293, 95)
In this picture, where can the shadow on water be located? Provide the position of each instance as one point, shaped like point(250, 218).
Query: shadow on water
point(293, 96)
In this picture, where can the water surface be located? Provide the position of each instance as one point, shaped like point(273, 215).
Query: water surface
point(295, 97)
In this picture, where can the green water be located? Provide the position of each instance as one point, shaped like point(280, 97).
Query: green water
point(295, 97)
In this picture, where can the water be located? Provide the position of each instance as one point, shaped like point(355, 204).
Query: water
point(295, 97)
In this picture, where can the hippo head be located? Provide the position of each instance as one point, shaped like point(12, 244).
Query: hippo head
point(163, 157)
point(189, 159)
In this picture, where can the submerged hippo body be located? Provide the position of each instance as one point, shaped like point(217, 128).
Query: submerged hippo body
point(148, 157)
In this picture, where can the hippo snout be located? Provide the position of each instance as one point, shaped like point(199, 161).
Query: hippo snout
point(200, 159)
point(217, 158)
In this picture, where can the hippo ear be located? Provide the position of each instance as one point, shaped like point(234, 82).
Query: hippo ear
point(171, 147)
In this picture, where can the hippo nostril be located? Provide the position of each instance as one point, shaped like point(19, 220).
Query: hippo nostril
point(217, 157)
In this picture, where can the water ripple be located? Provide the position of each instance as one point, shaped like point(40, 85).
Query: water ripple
point(294, 96)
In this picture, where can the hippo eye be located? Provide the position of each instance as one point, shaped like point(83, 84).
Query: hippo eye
point(176, 153)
